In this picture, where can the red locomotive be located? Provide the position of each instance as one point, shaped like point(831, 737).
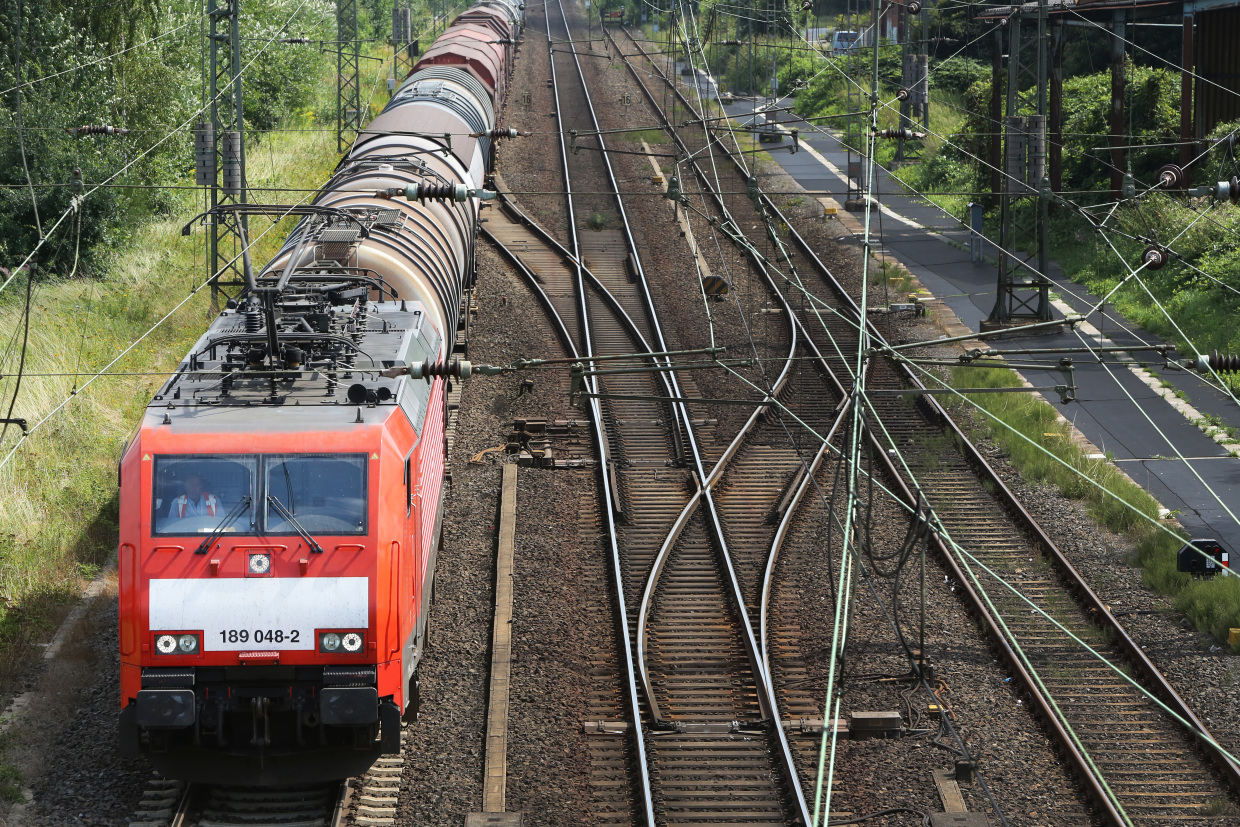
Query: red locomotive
point(281, 498)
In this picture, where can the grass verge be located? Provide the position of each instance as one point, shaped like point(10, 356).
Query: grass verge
point(1211, 605)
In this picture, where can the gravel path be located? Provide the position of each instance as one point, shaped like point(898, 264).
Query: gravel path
point(66, 747)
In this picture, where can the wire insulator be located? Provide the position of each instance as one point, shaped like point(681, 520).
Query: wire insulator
point(1228, 189)
point(455, 369)
point(297, 41)
point(1154, 257)
point(1220, 362)
point(496, 134)
point(902, 133)
point(1171, 177)
point(436, 192)
point(914, 7)
point(427, 191)
point(729, 43)
point(96, 130)
point(903, 95)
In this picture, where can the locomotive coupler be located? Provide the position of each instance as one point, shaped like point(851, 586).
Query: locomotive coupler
point(260, 708)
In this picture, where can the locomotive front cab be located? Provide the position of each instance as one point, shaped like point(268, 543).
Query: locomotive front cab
point(252, 609)
point(280, 511)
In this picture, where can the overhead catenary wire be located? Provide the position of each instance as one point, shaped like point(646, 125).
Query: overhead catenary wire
point(21, 366)
point(832, 64)
point(939, 529)
point(104, 370)
point(69, 398)
point(711, 138)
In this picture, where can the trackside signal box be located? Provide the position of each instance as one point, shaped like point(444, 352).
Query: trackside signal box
point(1204, 558)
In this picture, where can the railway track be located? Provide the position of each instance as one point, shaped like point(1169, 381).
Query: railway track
point(711, 716)
point(366, 801)
point(170, 803)
point(706, 695)
point(1138, 764)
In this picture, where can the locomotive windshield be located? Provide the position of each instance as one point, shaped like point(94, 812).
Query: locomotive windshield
point(199, 494)
point(324, 494)
point(294, 493)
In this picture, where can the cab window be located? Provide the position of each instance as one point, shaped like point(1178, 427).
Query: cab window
point(199, 494)
point(323, 493)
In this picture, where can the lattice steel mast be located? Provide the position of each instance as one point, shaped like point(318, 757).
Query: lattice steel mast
point(220, 148)
point(348, 76)
point(1023, 290)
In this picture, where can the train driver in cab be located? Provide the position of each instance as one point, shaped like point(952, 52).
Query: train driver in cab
point(195, 502)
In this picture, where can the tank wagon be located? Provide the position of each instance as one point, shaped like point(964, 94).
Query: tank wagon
point(281, 499)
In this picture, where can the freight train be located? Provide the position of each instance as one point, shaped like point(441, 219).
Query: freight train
point(281, 500)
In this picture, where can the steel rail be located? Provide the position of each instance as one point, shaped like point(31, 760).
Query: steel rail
point(1102, 615)
point(762, 268)
point(639, 340)
point(561, 329)
point(596, 411)
point(1156, 681)
point(181, 813)
point(763, 686)
point(781, 532)
point(652, 580)
point(341, 809)
point(1096, 788)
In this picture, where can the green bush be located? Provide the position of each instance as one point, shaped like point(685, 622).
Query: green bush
point(1153, 102)
point(151, 89)
point(957, 74)
point(1202, 306)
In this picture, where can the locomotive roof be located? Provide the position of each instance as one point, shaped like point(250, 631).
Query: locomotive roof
point(222, 385)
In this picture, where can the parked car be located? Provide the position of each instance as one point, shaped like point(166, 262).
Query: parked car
point(842, 42)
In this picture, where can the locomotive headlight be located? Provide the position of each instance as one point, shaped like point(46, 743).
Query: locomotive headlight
point(352, 641)
point(260, 563)
point(188, 644)
point(166, 644)
point(330, 642)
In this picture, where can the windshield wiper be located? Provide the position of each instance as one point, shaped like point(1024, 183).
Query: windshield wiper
point(229, 518)
point(291, 520)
